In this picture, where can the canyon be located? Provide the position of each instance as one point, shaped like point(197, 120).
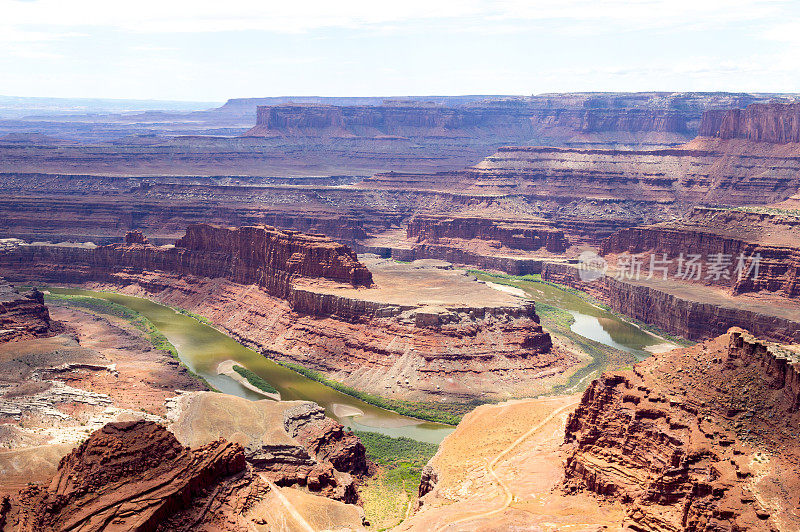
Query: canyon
point(399, 330)
point(336, 236)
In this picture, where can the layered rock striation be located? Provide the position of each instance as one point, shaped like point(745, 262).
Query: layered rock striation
point(695, 312)
point(260, 255)
point(291, 443)
point(756, 251)
point(514, 234)
point(126, 476)
point(777, 123)
point(693, 439)
point(22, 315)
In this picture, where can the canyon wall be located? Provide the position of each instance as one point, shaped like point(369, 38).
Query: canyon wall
point(515, 234)
point(508, 120)
point(260, 255)
point(22, 315)
point(675, 439)
point(769, 241)
point(777, 123)
point(255, 248)
point(692, 314)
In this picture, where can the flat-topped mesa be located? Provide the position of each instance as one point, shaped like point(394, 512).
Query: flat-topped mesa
point(253, 249)
point(778, 123)
point(404, 119)
point(674, 439)
point(516, 234)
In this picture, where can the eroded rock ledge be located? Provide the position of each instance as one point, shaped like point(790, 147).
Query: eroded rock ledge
point(694, 439)
point(22, 315)
point(126, 476)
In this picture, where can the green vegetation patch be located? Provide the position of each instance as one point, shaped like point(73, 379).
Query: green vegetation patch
point(138, 320)
point(395, 486)
point(198, 317)
point(449, 413)
point(254, 379)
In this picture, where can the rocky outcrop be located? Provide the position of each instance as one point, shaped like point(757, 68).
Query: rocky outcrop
point(290, 442)
point(22, 315)
point(126, 476)
point(674, 439)
point(260, 255)
point(695, 315)
point(135, 237)
point(514, 234)
point(761, 251)
point(777, 123)
point(252, 252)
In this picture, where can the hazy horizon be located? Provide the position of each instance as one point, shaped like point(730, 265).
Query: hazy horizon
point(211, 52)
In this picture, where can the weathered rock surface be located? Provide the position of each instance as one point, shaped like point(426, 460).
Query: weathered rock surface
point(22, 315)
point(734, 236)
point(695, 439)
point(777, 123)
point(126, 476)
point(514, 234)
point(291, 442)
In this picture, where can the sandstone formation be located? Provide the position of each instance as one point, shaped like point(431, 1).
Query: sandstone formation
point(291, 442)
point(514, 234)
point(126, 476)
point(259, 255)
point(695, 439)
point(735, 236)
point(22, 315)
point(760, 122)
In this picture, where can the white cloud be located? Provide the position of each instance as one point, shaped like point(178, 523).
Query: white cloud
point(154, 16)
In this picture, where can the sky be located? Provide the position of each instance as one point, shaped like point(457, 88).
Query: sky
point(212, 51)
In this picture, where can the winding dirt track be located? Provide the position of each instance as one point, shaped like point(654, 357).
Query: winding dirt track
point(507, 492)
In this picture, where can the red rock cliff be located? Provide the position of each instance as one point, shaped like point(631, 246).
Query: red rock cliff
point(673, 438)
point(22, 315)
point(254, 248)
point(760, 122)
point(774, 239)
point(126, 476)
point(528, 236)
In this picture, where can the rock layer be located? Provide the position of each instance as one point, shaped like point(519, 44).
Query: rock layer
point(733, 236)
point(126, 476)
point(515, 234)
point(696, 313)
point(777, 123)
point(22, 315)
point(675, 439)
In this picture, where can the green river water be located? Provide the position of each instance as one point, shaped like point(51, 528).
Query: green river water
point(202, 348)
